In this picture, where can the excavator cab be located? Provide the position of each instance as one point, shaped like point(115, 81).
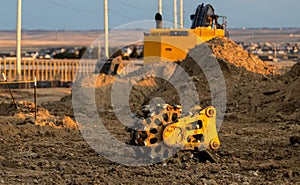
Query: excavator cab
point(205, 17)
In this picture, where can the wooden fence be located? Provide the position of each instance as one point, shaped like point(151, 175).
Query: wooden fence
point(46, 70)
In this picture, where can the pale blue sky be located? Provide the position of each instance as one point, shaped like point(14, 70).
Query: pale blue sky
point(88, 14)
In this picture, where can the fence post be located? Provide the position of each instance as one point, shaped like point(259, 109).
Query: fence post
point(24, 70)
point(10, 67)
point(4, 67)
point(38, 70)
point(42, 69)
point(46, 72)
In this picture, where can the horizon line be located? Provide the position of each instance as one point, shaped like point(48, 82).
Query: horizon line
point(63, 30)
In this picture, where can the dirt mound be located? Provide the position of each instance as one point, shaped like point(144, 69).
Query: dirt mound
point(284, 103)
point(60, 108)
point(229, 51)
point(252, 94)
point(293, 73)
point(24, 113)
point(269, 99)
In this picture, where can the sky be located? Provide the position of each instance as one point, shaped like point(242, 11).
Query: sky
point(88, 14)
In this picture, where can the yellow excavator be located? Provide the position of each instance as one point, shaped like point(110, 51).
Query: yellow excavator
point(165, 127)
point(165, 44)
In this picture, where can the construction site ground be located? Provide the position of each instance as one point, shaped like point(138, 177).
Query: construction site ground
point(251, 153)
point(260, 140)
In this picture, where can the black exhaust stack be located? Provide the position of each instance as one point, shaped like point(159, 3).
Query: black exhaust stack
point(158, 20)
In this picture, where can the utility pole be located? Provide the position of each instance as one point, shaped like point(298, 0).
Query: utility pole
point(181, 14)
point(160, 7)
point(18, 50)
point(175, 14)
point(106, 28)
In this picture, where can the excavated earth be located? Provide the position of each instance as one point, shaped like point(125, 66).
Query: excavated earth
point(260, 140)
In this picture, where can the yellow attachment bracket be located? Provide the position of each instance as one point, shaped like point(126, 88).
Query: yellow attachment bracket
point(195, 132)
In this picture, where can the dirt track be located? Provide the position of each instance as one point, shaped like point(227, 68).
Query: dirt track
point(260, 141)
point(251, 153)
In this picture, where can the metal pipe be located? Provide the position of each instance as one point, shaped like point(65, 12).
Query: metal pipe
point(158, 20)
point(160, 7)
point(175, 14)
point(13, 100)
point(106, 28)
point(181, 14)
point(16, 82)
point(35, 98)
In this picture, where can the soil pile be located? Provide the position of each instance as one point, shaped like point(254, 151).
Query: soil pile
point(60, 108)
point(24, 113)
point(284, 100)
point(263, 98)
point(100, 86)
point(229, 51)
point(253, 94)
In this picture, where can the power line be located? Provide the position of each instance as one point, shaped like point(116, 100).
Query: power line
point(70, 8)
point(121, 15)
point(132, 6)
point(139, 8)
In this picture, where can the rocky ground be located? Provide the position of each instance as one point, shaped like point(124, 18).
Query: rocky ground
point(260, 141)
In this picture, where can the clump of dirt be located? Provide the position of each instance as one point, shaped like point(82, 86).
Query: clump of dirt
point(24, 113)
point(7, 109)
point(293, 74)
point(60, 108)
